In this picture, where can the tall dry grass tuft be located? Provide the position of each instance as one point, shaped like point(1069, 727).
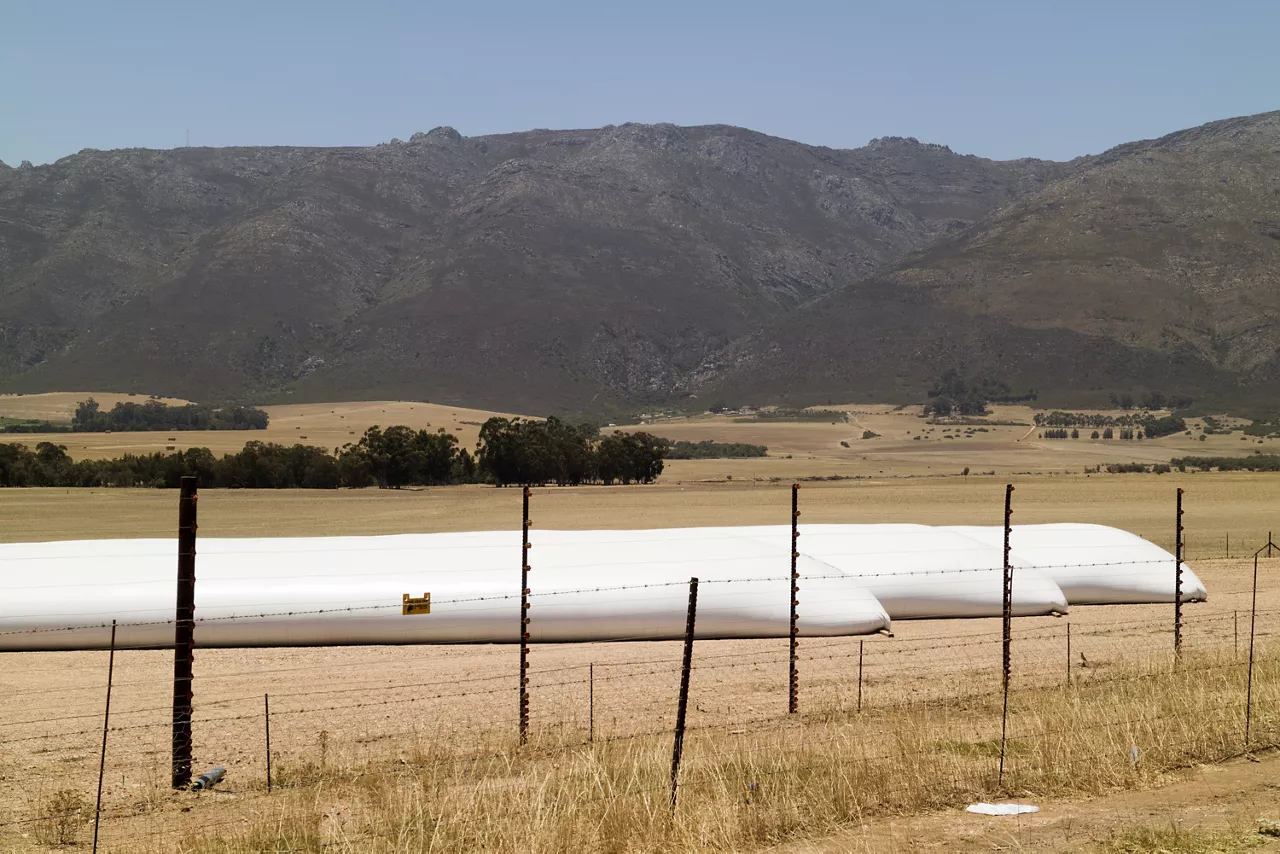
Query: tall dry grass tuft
point(60, 818)
point(755, 786)
point(1172, 838)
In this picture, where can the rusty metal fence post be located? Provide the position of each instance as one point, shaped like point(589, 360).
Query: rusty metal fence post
point(1177, 583)
point(1068, 652)
point(524, 622)
point(1253, 622)
point(106, 726)
point(1007, 633)
point(266, 715)
point(683, 705)
point(184, 634)
point(793, 684)
point(860, 677)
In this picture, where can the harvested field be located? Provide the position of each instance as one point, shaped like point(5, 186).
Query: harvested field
point(1239, 505)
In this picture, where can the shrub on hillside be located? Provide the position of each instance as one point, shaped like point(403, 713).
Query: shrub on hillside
point(1256, 462)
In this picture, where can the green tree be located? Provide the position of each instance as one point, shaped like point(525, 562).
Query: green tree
point(87, 416)
point(1122, 400)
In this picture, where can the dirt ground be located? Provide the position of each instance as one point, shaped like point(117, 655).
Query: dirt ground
point(1230, 796)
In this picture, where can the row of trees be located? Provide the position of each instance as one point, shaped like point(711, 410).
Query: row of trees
point(801, 415)
point(706, 450)
point(511, 451)
point(89, 417)
point(517, 451)
point(35, 427)
point(258, 466)
point(1107, 433)
point(1137, 468)
point(1166, 426)
point(1148, 425)
point(1257, 462)
point(1058, 418)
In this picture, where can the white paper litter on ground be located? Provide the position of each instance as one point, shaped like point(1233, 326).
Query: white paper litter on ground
point(1001, 809)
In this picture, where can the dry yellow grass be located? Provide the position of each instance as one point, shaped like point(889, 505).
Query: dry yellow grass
point(59, 405)
point(327, 425)
point(1241, 505)
point(450, 778)
point(750, 789)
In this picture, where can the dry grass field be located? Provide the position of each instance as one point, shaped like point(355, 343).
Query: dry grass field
point(58, 406)
point(1240, 505)
point(905, 445)
point(412, 749)
point(326, 425)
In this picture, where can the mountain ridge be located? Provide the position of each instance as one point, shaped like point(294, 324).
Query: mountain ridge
point(1165, 252)
point(438, 266)
point(553, 270)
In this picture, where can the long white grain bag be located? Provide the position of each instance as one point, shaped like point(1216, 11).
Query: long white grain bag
point(924, 572)
point(348, 590)
point(915, 571)
point(1097, 564)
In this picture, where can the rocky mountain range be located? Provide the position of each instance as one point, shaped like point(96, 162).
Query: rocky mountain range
point(1154, 265)
point(565, 270)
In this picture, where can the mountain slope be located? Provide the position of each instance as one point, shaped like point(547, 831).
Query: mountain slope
point(1156, 264)
point(537, 270)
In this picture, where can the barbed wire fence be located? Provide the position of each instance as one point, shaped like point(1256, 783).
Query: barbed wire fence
point(370, 712)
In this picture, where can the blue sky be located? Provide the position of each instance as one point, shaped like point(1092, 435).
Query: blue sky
point(994, 78)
